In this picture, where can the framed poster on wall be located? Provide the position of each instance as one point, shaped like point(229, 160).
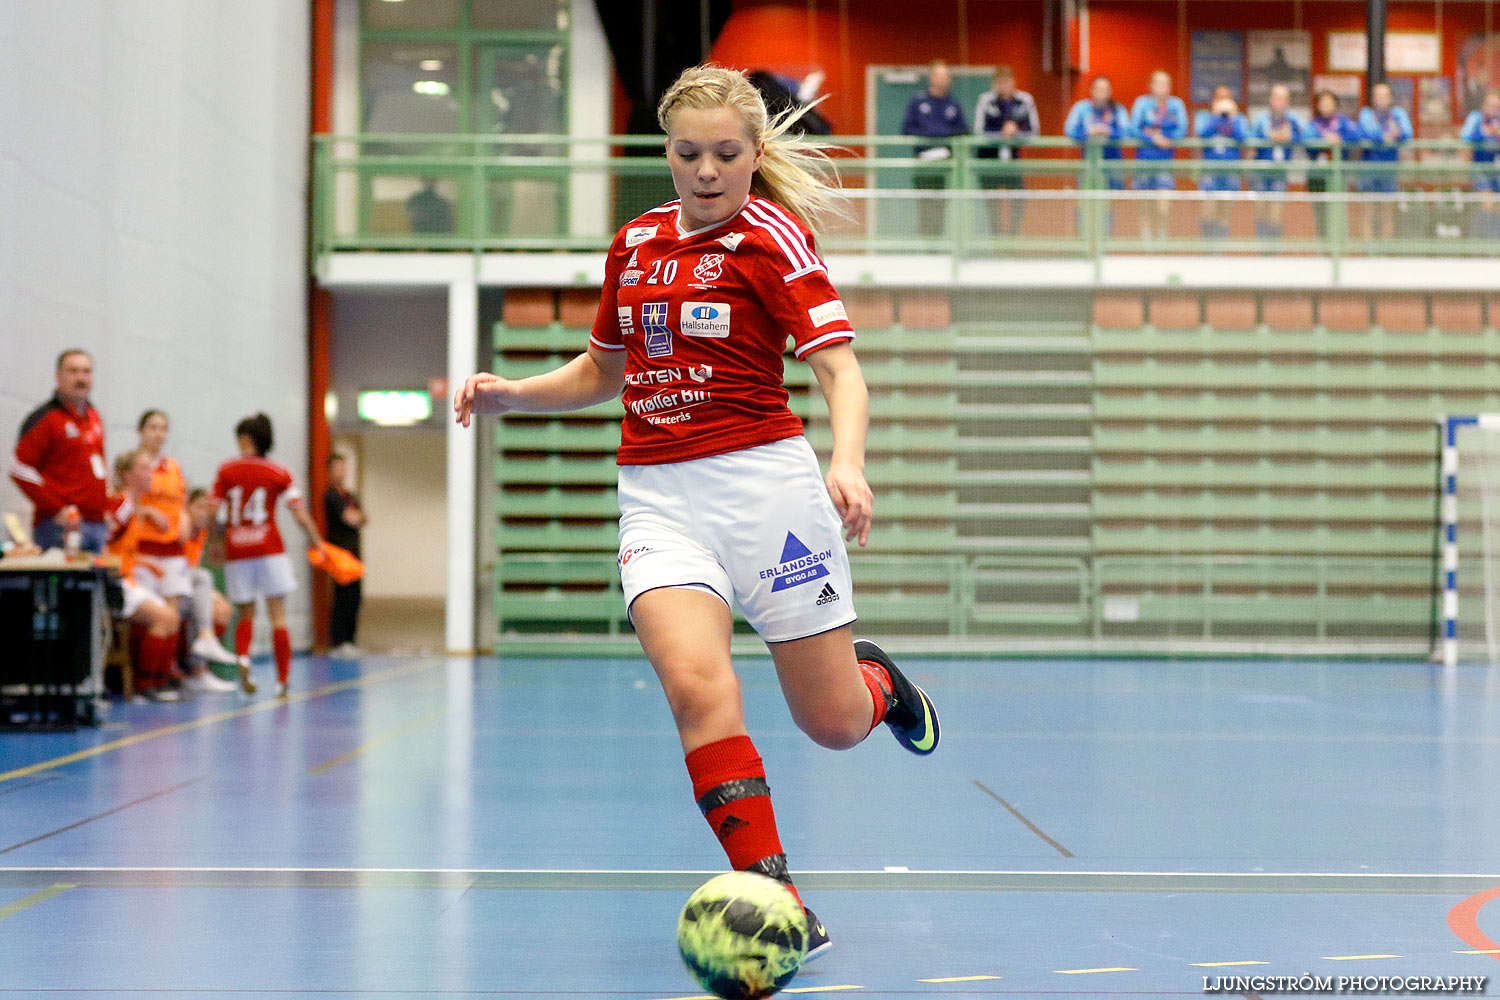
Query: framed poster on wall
point(1283, 57)
point(1217, 59)
point(1478, 69)
point(1405, 52)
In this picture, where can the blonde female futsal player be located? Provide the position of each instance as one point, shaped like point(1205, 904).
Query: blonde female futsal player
point(720, 494)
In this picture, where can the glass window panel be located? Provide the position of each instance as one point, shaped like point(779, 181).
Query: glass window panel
point(520, 15)
point(410, 87)
point(519, 89)
point(409, 14)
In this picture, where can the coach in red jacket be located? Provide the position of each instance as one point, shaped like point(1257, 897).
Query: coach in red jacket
point(59, 459)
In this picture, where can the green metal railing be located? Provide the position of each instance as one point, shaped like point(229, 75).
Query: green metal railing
point(549, 192)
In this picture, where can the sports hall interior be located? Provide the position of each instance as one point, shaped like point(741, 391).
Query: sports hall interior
point(1159, 509)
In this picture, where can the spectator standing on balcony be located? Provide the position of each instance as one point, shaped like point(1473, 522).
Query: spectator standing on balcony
point(1157, 119)
point(1222, 128)
point(1281, 131)
point(1101, 119)
point(427, 211)
point(1007, 117)
point(343, 518)
point(1482, 128)
point(933, 114)
point(59, 461)
point(1386, 126)
point(1335, 129)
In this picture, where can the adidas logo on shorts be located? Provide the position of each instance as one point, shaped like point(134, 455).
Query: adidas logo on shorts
point(826, 595)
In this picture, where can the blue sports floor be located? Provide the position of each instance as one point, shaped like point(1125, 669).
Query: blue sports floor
point(430, 827)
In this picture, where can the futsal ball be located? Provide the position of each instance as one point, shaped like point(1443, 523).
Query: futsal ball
point(742, 935)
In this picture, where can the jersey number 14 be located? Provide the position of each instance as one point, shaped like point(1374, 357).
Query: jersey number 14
point(252, 511)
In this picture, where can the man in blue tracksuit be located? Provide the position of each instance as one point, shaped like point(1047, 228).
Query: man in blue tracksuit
point(1157, 120)
point(1222, 128)
point(1279, 131)
point(1482, 128)
point(1336, 130)
point(1006, 116)
point(933, 115)
point(1100, 118)
point(1386, 126)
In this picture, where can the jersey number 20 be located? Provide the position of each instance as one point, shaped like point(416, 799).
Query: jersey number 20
point(666, 275)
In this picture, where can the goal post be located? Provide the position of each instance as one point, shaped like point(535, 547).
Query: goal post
point(1469, 535)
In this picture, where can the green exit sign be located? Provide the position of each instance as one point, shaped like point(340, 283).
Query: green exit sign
point(395, 407)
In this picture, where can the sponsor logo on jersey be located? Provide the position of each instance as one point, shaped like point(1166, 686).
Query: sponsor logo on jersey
point(663, 402)
point(630, 277)
point(827, 312)
point(627, 323)
point(70, 429)
point(634, 260)
point(827, 595)
point(636, 235)
point(667, 376)
point(798, 565)
point(654, 326)
point(732, 240)
point(710, 267)
point(629, 554)
point(704, 319)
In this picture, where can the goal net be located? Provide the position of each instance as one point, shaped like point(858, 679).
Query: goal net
point(1470, 539)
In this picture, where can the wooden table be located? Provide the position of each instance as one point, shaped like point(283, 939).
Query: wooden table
point(53, 621)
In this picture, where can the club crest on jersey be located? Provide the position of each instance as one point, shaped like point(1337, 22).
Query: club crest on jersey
point(710, 267)
point(798, 565)
point(704, 319)
point(636, 235)
point(732, 241)
point(654, 326)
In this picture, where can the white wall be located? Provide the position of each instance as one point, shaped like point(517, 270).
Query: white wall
point(152, 176)
point(404, 487)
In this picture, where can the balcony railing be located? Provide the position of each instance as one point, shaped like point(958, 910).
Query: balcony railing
point(548, 193)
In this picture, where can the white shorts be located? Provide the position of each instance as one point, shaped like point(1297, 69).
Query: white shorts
point(136, 597)
point(164, 576)
point(263, 576)
point(754, 526)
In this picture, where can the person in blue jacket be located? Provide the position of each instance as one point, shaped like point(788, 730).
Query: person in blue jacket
point(1332, 130)
point(1158, 119)
point(1482, 128)
point(1100, 118)
point(934, 117)
point(1222, 128)
point(1385, 125)
point(1280, 131)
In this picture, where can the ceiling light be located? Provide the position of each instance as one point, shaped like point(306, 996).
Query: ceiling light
point(431, 65)
point(431, 88)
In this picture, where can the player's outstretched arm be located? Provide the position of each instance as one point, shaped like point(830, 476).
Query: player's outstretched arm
point(305, 522)
point(843, 386)
point(593, 377)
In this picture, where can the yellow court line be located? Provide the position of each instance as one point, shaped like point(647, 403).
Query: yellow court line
point(209, 720)
point(1479, 951)
point(1218, 965)
point(370, 744)
point(25, 902)
point(958, 979)
point(1082, 972)
point(822, 989)
point(1354, 958)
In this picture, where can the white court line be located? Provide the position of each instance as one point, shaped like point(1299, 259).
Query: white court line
point(979, 872)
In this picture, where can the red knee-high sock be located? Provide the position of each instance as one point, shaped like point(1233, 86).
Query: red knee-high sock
point(879, 682)
point(281, 643)
point(244, 634)
point(158, 654)
point(729, 782)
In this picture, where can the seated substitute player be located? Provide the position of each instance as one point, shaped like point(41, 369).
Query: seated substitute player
point(256, 566)
point(1223, 128)
point(1281, 131)
point(156, 674)
point(1158, 120)
point(720, 494)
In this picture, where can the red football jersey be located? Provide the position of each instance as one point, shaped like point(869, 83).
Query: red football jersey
point(704, 317)
point(250, 488)
point(59, 460)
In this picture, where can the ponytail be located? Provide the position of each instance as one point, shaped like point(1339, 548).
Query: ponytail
point(795, 172)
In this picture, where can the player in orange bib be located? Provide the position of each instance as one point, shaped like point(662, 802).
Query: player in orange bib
point(256, 566)
point(721, 498)
point(156, 660)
